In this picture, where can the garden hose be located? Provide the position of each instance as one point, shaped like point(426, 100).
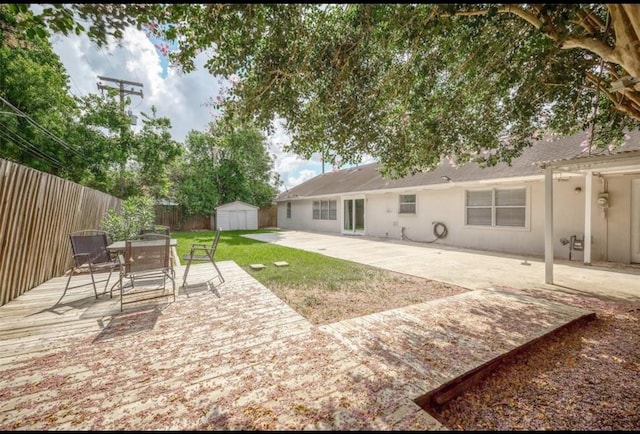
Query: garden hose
point(439, 231)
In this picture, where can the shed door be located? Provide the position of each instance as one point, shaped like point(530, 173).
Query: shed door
point(238, 220)
point(635, 220)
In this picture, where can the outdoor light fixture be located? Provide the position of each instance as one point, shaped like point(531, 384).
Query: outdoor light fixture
point(445, 178)
point(577, 190)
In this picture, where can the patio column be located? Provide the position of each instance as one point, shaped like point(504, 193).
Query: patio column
point(548, 225)
point(588, 188)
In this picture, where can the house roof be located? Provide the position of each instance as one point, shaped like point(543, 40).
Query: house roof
point(367, 178)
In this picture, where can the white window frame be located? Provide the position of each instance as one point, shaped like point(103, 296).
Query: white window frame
point(323, 210)
point(494, 207)
point(414, 203)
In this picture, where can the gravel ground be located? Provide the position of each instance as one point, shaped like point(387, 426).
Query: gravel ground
point(584, 377)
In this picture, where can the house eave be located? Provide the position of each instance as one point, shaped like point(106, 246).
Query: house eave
point(440, 186)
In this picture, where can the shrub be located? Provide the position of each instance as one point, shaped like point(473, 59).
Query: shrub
point(137, 212)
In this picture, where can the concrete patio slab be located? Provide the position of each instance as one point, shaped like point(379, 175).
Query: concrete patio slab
point(467, 268)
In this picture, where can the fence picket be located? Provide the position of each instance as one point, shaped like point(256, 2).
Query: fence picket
point(37, 212)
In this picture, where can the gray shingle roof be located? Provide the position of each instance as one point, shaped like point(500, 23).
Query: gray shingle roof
point(367, 178)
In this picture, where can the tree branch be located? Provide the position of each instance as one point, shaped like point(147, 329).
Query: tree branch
point(633, 14)
point(508, 9)
point(594, 45)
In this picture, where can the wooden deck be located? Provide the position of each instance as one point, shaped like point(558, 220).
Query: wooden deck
point(234, 356)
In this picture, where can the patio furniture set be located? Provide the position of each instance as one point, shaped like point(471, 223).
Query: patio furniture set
point(147, 259)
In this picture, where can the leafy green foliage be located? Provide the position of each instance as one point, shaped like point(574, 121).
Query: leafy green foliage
point(138, 212)
point(195, 175)
point(87, 140)
point(34, 82)
point(222, 165)
point(410, 84)
point(413, 84)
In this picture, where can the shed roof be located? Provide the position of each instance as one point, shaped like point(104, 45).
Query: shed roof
point(367, 178)
point(235, 203)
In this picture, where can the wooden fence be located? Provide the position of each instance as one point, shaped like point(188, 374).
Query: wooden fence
point(37, 213)
point(170, 215)
point(268, 217)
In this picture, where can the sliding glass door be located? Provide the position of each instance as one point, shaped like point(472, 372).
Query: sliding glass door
point(353, 216)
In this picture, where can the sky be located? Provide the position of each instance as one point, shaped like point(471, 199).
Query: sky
point(180, 97)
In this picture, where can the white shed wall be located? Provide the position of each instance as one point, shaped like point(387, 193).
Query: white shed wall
point(237, 216)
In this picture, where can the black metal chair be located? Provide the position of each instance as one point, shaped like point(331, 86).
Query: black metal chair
point(146, 260)
point(203, 252)
point(90, 255)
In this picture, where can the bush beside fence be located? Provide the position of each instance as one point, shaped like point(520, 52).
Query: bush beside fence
point(37, 213)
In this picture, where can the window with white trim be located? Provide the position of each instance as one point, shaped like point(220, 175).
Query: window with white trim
point(288, 210)
point(497, 207)
point(325, 210)
point(407, 204)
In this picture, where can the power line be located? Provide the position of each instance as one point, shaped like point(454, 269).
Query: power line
point(43, 129)
point(122, 92)
point(121, 88)
point(28, 147)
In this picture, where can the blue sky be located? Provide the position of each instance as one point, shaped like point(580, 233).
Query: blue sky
point(178, 96)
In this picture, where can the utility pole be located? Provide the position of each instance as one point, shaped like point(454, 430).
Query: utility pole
point(122, 91)
point(132, 119)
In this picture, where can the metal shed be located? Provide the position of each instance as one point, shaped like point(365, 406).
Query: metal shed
point(237, 215)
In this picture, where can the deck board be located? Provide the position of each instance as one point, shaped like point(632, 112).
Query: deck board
point(234, 356)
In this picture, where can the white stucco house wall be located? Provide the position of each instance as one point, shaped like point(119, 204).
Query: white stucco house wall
point(237, 215)
point(501, 208)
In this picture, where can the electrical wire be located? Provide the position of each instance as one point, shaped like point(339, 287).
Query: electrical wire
point(29, 148)
point(43, 129)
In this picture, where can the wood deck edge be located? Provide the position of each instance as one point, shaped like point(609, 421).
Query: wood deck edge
point(464, 382)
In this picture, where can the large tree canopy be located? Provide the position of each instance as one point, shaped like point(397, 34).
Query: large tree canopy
point(224, 164)
point(407, 84)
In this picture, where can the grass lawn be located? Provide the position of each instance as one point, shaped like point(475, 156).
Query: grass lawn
point(321, 288)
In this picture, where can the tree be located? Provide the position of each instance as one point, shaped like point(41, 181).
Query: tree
point(224, 164)
point(154, 152)
point(412, 84)
point(35, 104)
point(195, 177)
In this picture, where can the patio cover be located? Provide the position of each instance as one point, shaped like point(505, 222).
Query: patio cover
point(614, 163)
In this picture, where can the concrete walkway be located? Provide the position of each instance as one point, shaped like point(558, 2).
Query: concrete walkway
point(466, 268)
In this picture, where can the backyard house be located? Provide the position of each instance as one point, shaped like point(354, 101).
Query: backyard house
point(501, 208)
point(237, 215)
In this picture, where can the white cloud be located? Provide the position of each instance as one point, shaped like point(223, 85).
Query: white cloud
point(180, 97)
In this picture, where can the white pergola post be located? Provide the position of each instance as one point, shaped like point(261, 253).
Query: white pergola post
point(588, 188)
point(548, 225)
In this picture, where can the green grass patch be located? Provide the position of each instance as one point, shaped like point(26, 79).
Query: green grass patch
point(306, 269)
